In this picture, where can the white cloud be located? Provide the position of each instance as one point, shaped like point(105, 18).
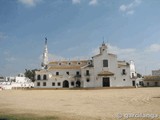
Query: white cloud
point(120, 51)
point(95, 51)
point(53, 57)
point(9, 59)
point(129, 8)
point(153, 48)
point(2, 36)
point(93, 2)
point(29, 3)
point(115, 50)
point(8, 56)
point(123, 8)
point(76, 1)
point(130, 12)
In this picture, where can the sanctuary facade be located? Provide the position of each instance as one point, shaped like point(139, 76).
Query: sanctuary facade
point(103, 70)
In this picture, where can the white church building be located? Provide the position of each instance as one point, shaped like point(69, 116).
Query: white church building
point(103, 70)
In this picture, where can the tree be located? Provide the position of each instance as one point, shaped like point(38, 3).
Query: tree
point(30, 74)
point(139, 75)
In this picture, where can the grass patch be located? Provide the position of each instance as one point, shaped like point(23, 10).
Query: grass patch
point(26, 117)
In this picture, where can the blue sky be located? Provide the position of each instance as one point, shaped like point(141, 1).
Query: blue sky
point(75, 29)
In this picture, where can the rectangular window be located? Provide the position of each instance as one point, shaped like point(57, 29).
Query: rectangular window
point(72, 83)
point(44, 83)
point(132, 75)
point(123, 72)
point(38, 83)
point(140, 83)
point(59, 84)
point(57, 73)
point(105, 63)
point(67, 73)
point(77, 73)
point(87, 72)
point(53, 83)
point(133, 83)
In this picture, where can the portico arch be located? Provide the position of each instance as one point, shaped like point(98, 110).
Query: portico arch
point(65, 84)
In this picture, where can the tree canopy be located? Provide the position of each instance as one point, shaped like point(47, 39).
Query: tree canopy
point(30, 74)
point(139, 75)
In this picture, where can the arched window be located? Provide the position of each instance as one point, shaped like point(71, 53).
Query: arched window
point(44, 77)
point(87, 79)
point(38, 77)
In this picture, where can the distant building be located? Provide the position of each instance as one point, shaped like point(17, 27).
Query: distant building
point(2, 79)
point(103, 70)
point(152, 80)
point(19, 81)
point(156, 72)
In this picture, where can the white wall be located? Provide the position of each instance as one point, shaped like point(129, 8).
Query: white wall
point(98, 67)
point(117, 79)
point(151, 83)
point(122, 80)
point(91, 77)
point(52, 77)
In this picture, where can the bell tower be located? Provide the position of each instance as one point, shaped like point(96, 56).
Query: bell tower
point(45, 56)
point(132, 70)
point(103, 48)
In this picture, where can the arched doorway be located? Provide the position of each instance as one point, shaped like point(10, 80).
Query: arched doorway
point(65, 84)
point(78, 84)
point(44, 77)
point(38, 77)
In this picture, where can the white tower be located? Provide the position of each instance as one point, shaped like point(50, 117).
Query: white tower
point(132, 70)
point(45, 56)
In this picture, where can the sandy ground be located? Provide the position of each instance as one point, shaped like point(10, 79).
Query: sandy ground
point(103, 104)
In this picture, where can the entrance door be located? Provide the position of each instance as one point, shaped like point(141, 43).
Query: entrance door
point(106, 82)
point(133, 83)
point(78, 84)
point(65, 84)
point(156, 84)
